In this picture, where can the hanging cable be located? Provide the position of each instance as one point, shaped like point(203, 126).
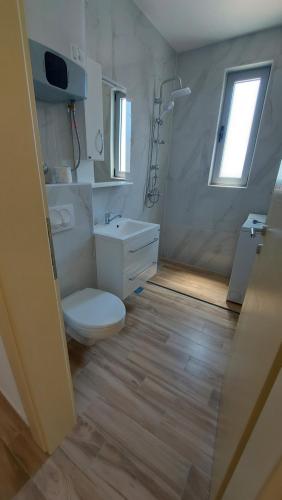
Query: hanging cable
point(71, 108)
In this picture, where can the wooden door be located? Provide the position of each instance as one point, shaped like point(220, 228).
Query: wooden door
point(30, 313)
point(256, 355)
point(262, 454)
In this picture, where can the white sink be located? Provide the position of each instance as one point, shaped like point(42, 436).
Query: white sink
point(123, 229)
point(126, 255)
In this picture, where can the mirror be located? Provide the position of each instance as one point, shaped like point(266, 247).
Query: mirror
point(117, 135)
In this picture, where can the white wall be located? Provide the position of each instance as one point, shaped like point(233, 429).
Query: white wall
point(132, 52)
point(201, 223)
point(74, 248)
point(8, 385)
point(56, 24)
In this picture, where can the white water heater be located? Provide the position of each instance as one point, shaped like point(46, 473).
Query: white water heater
point(55, 77)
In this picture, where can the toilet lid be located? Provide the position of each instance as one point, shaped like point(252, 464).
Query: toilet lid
point(92, 309)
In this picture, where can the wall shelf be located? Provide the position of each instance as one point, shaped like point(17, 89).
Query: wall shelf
point(68, 184)
point(95, 185)
point(110, 184)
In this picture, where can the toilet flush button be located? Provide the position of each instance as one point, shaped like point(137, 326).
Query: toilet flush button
point(62, 218)
point(66, 218)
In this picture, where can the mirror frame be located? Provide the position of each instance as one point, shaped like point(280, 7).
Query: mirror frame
point(115, 88)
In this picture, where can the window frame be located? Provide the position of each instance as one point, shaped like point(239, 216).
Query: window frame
point(118, 96)
point(233, 76)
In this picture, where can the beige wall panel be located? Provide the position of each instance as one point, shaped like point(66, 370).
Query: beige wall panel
point(29, 291)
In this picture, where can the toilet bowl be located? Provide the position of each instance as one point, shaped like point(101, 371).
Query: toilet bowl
point(92, 315)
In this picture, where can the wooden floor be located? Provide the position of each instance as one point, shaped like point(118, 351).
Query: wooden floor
point(197, 283)
point(147, 401)
point(20, 457)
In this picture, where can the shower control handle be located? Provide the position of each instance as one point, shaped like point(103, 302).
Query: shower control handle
point(221, 133)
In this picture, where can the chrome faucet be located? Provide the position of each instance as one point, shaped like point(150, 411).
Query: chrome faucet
point(109, 219)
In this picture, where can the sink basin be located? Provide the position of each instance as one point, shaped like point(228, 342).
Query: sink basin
point(123, 229)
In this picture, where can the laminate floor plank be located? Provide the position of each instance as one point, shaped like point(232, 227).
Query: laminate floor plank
point(195, 388)
point(12, 475)
point(198, 283)
point(171, 401)
point(20, 457)
point(147, 403)
point(114, 464)
point(197, 485)
point(61, 479)
point(129, 476)
point(30, 492)
point(119, 395)
point(164, 460)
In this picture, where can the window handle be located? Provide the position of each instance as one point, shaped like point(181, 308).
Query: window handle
point(221, 133)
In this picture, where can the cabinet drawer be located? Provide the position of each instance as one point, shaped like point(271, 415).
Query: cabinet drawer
point(141, 251)
point(134, 280)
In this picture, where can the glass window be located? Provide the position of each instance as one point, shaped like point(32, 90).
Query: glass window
point(122, 148)
point(240, 117)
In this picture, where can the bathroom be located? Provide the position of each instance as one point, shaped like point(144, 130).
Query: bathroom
point(152, 246)
point(200, 222)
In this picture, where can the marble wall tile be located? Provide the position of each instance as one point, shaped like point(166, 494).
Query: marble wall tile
point(74, 248)
point(201, 223)
point(55, 133)
point(132, 52)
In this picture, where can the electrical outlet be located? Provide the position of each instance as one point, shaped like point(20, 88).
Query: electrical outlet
point(74, 52)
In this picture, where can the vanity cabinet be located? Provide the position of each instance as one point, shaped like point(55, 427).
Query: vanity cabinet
point(125, 265)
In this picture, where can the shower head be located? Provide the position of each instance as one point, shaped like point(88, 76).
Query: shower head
point(168, 107)
point(176, 94)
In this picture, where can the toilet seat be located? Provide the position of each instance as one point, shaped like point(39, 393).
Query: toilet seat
point(92, 315)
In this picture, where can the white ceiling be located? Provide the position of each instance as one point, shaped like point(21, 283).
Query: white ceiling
point(188, 24)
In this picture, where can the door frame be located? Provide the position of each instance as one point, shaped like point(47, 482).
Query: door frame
point(30, 311)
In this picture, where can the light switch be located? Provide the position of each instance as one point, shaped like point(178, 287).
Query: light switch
point(61, 218)
point(81, 56)
point(74, 52)
point(77, 54)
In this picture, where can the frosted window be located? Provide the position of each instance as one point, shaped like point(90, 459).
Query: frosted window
point(240, 123)
point(122, 160)
point(241, 111)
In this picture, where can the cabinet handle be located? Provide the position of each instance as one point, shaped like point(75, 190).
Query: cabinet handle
point(133, 278)
point(221, 133)
point(144, 246)
point(99, 136)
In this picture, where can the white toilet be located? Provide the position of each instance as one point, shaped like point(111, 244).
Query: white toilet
point(92, 315)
